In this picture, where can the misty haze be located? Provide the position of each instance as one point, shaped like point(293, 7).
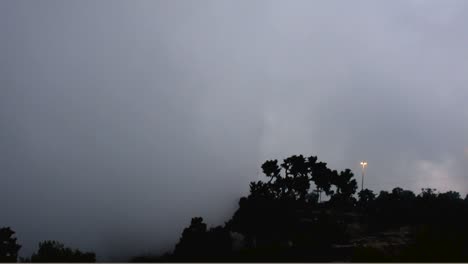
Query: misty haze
point(122, 122)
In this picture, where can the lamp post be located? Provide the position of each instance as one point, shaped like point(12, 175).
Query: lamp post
point(363, 164)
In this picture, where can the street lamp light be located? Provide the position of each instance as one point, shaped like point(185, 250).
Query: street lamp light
point(363, 164)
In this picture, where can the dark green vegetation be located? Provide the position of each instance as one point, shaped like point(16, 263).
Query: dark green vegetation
point(306, 212)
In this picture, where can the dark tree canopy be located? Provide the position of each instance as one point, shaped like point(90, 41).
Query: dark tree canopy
point(345, 184)
point(321, 176)
point(293, 179)
point(366, 199)
point(54, 251)
point(201, 244)
point(8, 246)
point(275, 211)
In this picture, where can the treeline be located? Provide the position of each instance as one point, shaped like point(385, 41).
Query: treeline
point(49, 251)
point(286, 219)
point(306, 212)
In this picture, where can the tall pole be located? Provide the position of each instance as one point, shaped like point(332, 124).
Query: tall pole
point(362, 179)
point(363, 164)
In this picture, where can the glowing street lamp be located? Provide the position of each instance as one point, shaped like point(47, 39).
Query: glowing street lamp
point(363, 164)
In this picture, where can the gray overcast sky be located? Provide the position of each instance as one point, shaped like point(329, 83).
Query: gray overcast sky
point(121, 120)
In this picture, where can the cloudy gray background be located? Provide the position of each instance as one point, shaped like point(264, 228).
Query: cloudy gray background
point(121, 120)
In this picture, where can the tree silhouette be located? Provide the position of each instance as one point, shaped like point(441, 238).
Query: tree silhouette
point(321, 176)
point(450, 196)
point(191, 242)
point(54, 251)
point(344, 182)
point(366, 198)
point(276, 212)
point(428, 193)
point(346, 187)
point(8, 246)
point(198, 243)
point(295, 182)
